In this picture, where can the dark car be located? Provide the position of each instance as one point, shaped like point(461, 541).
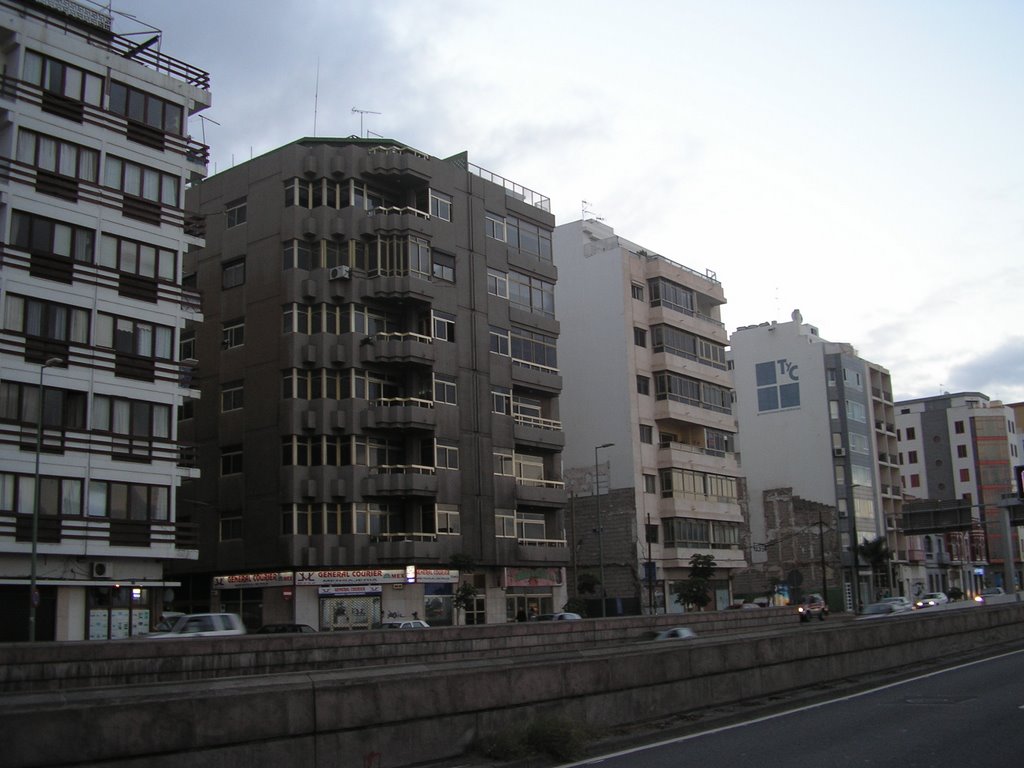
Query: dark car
point(278, 629)
point(812, 605)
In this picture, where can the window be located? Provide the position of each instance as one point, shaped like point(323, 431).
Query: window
point(777, 386)
point(231, 460)
point(233, 334)
point(637, 291)
point(499, 341)
point(446, 455)
point(297, 254)
point(501, 401)
point(58, 496)
point(958, 427)
point(235, 213)
point(504, 524)
point(640, 337)
point(497, 283)
point(646, 434)
point(233, 273)
point(675, 341)
point(504, 466)
point(532, 293)
point(445, 390)
point(231, 397)
point(534, 349)
point(230, 525)
point(19, 403)
point(683, 389)
point(37, 234)
point(665, 293)
point(142, 107)
point(961, 451)
point(912, 457)
point(295, 318)
point(137, 418)
point(130, 336)
point(55, 76)
point(398, 256)
point(911, 433)
point(494, 226)
point(856, 411)
point(440, 205)
point(965, 475)
point(443, 266)
point(650, 483)
point(187, 346)
point(140, 181)
point(137, 258)
point(643, 385)
point(915, 481)
point(128, 501)
point(444, 325)
point(446, 520)
point(61, 158)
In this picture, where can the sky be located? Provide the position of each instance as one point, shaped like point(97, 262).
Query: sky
point(858, 161)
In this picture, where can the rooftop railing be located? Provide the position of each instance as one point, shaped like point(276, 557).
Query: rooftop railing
point(518, 191)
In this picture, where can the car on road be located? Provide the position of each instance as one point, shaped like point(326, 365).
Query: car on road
point(167, 620)
point(901, 603)
point(812, 605)
point(406, 624)
point(564, 616)
point(203, 625)
point(931, 599)
point(280, 629)
point(675, 633)
point(879, 610)
point(988, 592)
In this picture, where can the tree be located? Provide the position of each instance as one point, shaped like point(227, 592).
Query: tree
point(587, 584)
point(876, 553)
point(695, 591)
point(464, 596)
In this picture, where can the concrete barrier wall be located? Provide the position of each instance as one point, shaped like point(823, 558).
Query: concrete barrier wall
point(419, 712)
point(65, 666)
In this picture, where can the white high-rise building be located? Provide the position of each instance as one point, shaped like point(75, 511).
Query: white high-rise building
point(816, 422)
point(96, 156)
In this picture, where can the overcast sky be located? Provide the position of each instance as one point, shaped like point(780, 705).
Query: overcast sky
point(860, 161)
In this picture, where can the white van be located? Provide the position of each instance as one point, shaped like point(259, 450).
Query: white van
point(203, 625)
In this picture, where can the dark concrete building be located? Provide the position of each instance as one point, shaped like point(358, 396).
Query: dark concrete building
point(379, 416)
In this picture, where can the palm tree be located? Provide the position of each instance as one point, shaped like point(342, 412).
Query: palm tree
point(876, 553)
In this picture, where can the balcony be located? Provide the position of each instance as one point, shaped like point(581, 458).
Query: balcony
point(538, 432)
point(404, 348)
point(547, 493)
point(395, 220)
point(401, 480)
point(675, 454)
point(547, 551)
point(401, 162)
point(401, 413)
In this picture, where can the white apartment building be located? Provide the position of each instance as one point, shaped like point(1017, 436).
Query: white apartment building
point(961, 447)
point(647, 413)
point(96, 156)
point(816, 421)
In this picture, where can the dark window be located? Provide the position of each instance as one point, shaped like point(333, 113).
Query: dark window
point(233, 273)
point(145, 108)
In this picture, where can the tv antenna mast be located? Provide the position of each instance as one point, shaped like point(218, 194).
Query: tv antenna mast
point(586, 209)
point(361, 113)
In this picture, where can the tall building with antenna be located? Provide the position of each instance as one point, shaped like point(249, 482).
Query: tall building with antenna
point(96, 158)
point(379, 430)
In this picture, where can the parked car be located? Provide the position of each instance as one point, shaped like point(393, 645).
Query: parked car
point(812, 605)
point(675, 633)
point(743, 607)
point(564, 616)
point(278, 629)
point(405, 624)
point(880, 610)
point(203, 625)
point(930, 599)
point(901, 603)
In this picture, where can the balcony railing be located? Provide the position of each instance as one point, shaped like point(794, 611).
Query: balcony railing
point(538, 422)
point(518, 191)
point(535, 483)
point(530, 542)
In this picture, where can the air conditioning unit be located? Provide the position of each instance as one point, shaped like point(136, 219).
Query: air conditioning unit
point(101, 569)
point(343, 272)
point(838, 452)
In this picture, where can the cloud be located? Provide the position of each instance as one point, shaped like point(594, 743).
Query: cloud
point(998, 373)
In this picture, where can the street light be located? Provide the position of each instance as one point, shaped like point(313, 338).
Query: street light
point(33, 595)
point(600, 530)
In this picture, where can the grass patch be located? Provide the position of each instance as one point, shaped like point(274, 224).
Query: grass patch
point(554, 737)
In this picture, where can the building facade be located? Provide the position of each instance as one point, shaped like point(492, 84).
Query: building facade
point(96, 156)
point(378, 433)
point(963, 448)
point(817, 420)
point(650, 456)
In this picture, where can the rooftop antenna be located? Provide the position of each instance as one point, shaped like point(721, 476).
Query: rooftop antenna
point(586, 209)
point(316, 94)
point(361, 113)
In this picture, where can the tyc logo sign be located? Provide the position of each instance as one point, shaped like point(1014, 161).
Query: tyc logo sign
point(778, 385)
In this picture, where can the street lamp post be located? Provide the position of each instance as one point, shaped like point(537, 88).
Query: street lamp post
point(33, 596)
point(821, 548)
point(600, 529)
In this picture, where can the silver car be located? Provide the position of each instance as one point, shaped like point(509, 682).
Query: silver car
point(203, 625)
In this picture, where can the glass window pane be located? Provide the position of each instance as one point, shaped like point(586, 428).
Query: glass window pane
point(73, 83)
point(154, 112)
point(93, 90)
point(172, 119)
point(26, 147)
point(132, 179)
point(136, 105)
point(47, 158)
point(147, 260)
point(89, 165)
point(62, 240)
point(169, 190)
point(166, 266)
point(108, 252)
point(97, 499)
point(151, 184)
point(33, 68)
point(118, 99)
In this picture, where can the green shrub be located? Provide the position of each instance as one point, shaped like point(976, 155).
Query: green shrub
point(554, 737)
